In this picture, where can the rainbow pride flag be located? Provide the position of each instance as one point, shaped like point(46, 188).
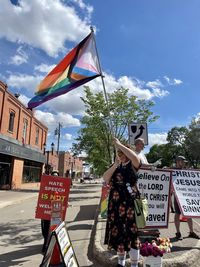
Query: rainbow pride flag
point(79, 66)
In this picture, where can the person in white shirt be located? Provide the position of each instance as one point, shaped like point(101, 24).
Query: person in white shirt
point(139, 146)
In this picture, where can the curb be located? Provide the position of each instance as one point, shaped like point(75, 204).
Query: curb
point(190, 258)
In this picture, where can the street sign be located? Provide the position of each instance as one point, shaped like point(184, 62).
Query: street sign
point(138, 130)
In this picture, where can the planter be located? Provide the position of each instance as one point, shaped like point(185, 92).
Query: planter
point(152, 261)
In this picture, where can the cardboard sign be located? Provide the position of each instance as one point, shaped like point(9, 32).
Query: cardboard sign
point(155, 187)
point(60, 237)
point(186, 185)
point(52, 188)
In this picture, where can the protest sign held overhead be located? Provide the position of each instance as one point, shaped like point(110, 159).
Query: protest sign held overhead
point(155, 187)
point(186, 185)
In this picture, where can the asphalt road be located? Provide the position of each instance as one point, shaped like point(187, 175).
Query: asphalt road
point(20, 233)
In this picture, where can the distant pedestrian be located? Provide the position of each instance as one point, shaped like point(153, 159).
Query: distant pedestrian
point(121, 230)
point(180, 164)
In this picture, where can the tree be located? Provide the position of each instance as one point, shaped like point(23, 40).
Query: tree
point(181, 141)
point(193, 142)
point(100, 122)
point(166, 152)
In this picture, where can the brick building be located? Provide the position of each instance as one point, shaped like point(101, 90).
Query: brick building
point(21, 143)
point(70, 166)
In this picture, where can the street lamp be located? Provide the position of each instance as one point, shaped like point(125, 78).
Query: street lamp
point(47, 165)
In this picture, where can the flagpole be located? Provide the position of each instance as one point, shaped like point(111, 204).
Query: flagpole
point(105, 94)
point(104, 88)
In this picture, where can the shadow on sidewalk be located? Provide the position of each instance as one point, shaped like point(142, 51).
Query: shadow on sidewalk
point(15, 258)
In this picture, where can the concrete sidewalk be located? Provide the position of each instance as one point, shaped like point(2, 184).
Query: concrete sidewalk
point(185, 253)
point(10, 197)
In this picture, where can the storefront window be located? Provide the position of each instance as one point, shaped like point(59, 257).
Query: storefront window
point(31, 172)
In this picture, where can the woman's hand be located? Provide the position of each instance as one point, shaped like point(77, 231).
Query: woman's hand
point(116, 141)
point(117, 161)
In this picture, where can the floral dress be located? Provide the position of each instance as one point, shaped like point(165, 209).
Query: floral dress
point(121, 230)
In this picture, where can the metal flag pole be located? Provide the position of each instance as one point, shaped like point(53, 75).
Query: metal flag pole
point(105, 93)
point(104, 88)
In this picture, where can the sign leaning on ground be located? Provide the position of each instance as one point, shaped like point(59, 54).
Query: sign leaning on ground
point(61, 237)
point(155, 187)
point(186, 185)
point(52, 188)
point(138, 130)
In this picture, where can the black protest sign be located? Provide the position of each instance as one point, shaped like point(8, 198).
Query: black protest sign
point(60, 237)
point(155, 186)
point(186, 185)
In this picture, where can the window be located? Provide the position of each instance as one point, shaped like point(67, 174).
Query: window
point(24, 131)
point(11, 121)
point(31, 172)
point(37, 136)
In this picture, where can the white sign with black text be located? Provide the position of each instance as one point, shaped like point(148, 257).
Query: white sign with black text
point(155, 186)
point(186, 185)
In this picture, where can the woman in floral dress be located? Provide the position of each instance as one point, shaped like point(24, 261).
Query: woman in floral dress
point(121, 230)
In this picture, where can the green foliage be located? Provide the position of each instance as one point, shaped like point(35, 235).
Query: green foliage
point(101, 122)
point(181, 141)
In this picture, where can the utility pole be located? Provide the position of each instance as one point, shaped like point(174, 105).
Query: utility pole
point(57, 132)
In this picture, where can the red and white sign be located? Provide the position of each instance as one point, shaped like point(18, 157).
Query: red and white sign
point(52, 188)
point(186, 185)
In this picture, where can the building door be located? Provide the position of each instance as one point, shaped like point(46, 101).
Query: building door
point(4, 175)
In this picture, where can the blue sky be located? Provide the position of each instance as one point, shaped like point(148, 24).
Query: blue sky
point(151, 47)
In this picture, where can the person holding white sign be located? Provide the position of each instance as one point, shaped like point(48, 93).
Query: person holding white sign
point(180, 164)
point(121, 230)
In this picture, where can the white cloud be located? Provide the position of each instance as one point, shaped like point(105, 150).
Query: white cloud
point(20, 57)
point(154, 84)
point(82, 5)
point(135, 86)
point(176, 81)
point(45, 24)
point(71, 102)
point(172, 81)
point(157, 138)
point(24, 99)
point(24, 81)
point(51, 120)
point(67, 137)
point(44, 68)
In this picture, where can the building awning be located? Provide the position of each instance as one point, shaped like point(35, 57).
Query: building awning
point(20, 151)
